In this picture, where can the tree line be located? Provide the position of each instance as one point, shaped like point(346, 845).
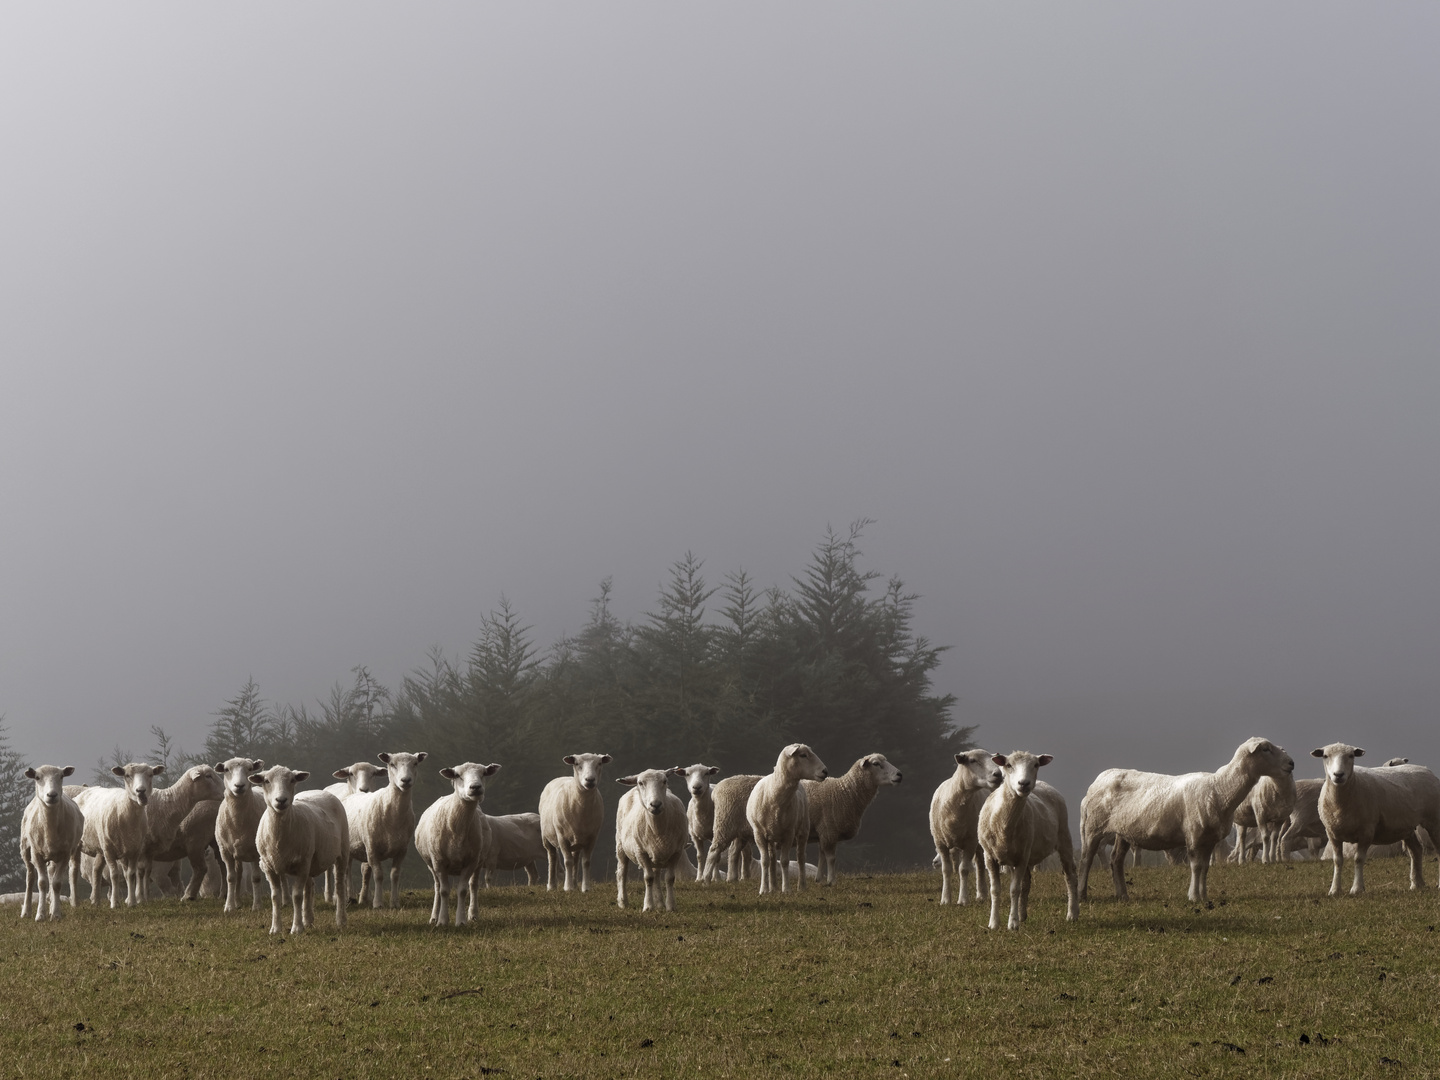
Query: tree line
point(726, 674)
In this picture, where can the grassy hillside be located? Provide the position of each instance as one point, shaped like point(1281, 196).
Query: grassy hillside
point(872, 977)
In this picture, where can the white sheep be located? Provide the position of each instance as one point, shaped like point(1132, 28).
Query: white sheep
point(571, 813)
point(731, 835)
point(515, 844)
point(116, 829)
point(700, 811)
point(779, 816)
point(361, 778)
point(381, 825)
point(1267, 810)
point(954, 821)
point(650, 831)
point(166, 815)
point(838, 804)
point(300, 838)
point(235, 826)
point(50, 832)
point(1156, 811)
point(1375, 806)
point(453, 840)
point(1023, 821)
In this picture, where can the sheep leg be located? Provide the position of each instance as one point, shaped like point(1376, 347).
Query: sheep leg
point(474, 899)
point(51, 869)
point(647, 870)
point(1025, 878)
point(436, 892)
point(1416, 851)
point(297, 904)
point(552, 857)
point(44, 889)
point(570, 856)
point(1088, 846)
point(733, 868)
point(277, 890)
point(374, 869)
point(31, 879)
point(232, 880)
point(668, 879)
point(1117, 867)
point(395, 880)
point(946, 869)
point(622, 868)
point(1072, 890)
point(112, 867)
point(1362, 851)
point(764, 867)
point(583, 856)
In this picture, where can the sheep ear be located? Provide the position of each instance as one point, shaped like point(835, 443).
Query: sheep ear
point(628, 781)
point(712, 770)
point(421, 756)
point(384, 757)
point(492, 768)
point(156, 770)
point(258, 779)
point(257, 764)
point(678, 770)
point(998, 759)
point(302, 775)
point(341, 774)
point(31, 773)
point(1317, 752)
point(1044, 759)
point(449, 773)
point(117, 770)
point(605, 759)
point(1262, 747)
point(962, 759)
point(220, 766)
point(69, 770)
point(1359, 752)
point(569, 759)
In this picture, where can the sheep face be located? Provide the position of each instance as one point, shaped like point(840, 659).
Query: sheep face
point(651, 787)
point(363, 776)
point(1021, 770)
point(469, 780)
point(402, 768)
point(1339, 761)
point(697, 778)
point(236, 771)
point(49, 782)
point(207, 782)
point(981, 765)
point(883, 771)
point(1267, 758)
point(138, 780)
point(587, 768)
point(278, 784)
point(799, 759)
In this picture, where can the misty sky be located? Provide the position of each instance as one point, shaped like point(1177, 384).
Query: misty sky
point(322, 326)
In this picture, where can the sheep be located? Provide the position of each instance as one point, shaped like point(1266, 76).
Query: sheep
point(571, 812)
point(235, 825)
point(1156, 811)
point(515, 845)
point(1267, 810)
point(838, 804)
point(650, 831)
point(166, 813)
point(360, 778)
point(731, 831)
point(1023, 821)
point(300, 837)
point(453, 840)
point(1305, 825)
point(700, 811)
point(381, 826)
point(779, 815)
point(954, 817)
point(50, 832)
point(1375, 806)
point(116, 828)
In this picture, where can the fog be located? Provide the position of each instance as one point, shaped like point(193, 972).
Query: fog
point(324, 327)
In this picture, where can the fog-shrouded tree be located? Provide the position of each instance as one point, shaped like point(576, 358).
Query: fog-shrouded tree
point(16, 791)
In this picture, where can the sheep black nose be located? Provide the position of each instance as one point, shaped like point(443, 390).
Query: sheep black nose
point(899, 777)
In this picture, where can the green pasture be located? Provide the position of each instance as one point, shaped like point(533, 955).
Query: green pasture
point(870, 978)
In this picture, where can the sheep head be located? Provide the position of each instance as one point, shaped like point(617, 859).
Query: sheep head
point(363, 776)
point(278, 784)
point(138, 780)
point(797, 759)
point(1021, 770)
point(980, 764)
point(236, 771)
point(697, 777)
point(469, 780)
point(402, 768)
point(880, 769)
point(1339, 761)
point(651, 787)
point(587, 768)
point(49, 782)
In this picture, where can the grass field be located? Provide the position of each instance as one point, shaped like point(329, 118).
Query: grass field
point(871, 977)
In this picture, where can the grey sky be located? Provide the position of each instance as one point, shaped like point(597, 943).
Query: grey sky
point(323, 326)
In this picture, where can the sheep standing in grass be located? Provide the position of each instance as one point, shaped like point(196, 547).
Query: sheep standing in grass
point(116, 828)
point(50, 832)
point(571, 813)
point(650, 831)
point(700, 812)
point(955, 819)
point(381, 826)
point(1022, 822)
point(299, 838)
point(515, 844)
point(1375, 806)
point(1156, 811)
point(361, 778)
point(731, 835)
point(779, 815)
point(166, 814)
point(838, 804)
point(453, 840)
point(235, 825)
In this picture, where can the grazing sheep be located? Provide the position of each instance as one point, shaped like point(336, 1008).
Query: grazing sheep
point(954, 822)
point(1267, 810)
point(779, 815)
point(453, 840)
point(700, 811)
point(300, 838)
point(1157, 811)
point(116, 829)
point(167, 812)
point(381, 826)
point(731, 831)
point(50, 832)
point(235, 825)
point(1375, 806)
point(571, 812)
point(1023, 821)
point(650, 831)
point(515, 844)
point(838, 804)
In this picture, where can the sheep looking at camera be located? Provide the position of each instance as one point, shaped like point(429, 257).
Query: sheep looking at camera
point(1023, 821)
point(50, 832)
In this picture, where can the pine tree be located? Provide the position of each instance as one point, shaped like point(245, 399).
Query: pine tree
point(16, 791)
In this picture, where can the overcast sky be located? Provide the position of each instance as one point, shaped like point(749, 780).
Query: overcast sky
point(324, 325)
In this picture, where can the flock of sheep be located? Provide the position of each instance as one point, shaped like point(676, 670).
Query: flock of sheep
point(994, 810)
